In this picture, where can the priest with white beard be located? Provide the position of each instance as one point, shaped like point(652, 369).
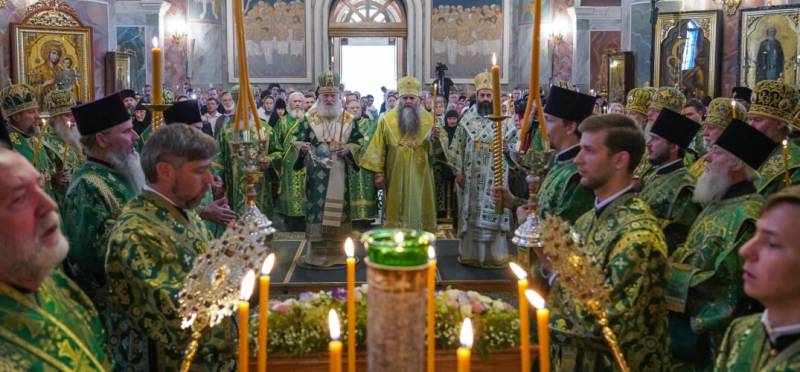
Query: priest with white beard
point(291, 202)
point(704, 292)
point(327, 142)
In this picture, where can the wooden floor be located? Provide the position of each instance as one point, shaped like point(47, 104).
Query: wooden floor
point(289, 277)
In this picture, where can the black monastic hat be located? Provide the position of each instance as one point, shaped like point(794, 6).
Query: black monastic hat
point(185, 112)
point(127, 93)
point(746, 143)
point(569, 105)
point(742, 93)
point(675, 128)
point(100, 115)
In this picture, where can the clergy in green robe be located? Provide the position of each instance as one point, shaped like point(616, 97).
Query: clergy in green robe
point(291, 202)
point(625, 241)
point(26, 132)
point(153, 247)
point(772, 113)
point(63, 138)
point(328, 142)
point(769, 341)
point(444, 172)
point(401, 155)
point(109, 178)
point(361, 184)
point(560, 192)
point(704, 292)
point(720, 113)
point(669, 190)
point(46, 322)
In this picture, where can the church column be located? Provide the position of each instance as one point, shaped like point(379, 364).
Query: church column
point(638, 36)
point(597, 34)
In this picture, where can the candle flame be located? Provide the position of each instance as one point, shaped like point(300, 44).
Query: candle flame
point(494, 59)
point(349, 249)
point(518, 271)
point(431, 252)
point(535, 299)
point(785, 143)
point(733, 104)
point(247, 285)
point(466, 334)
point(269, 262)
point(69, 124)
point(333, 324)
point(155, 41)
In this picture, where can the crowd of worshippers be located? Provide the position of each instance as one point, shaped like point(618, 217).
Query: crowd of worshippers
point(686, 206)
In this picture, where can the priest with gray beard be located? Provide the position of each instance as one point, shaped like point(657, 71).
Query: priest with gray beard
point(327, 142)
point(704, 292)
point(481, 229)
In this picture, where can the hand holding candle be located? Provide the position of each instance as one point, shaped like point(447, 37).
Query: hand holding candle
point(244, 317)
point(335, 346)
point(733, 108)
point(66, 146)
point(787, 181)
point(524, 336)
point(431, 356)
point(465, 351)
point(263, 311)
point(542, 322)
point(349, 250)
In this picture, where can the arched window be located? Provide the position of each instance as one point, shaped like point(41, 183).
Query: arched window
point(373, 17)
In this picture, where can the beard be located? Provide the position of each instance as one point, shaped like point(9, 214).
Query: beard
point(711, 186)
point(484, 108)
point(229, 109)
point(658, 159)
point(297, 114)
point(70, 137)
point(408, 120)
point(329, 111)
point(129, 166)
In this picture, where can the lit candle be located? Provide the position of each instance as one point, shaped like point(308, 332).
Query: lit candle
point(786, 180)
point(435, 90)
point(524, 338)
point(263, 313)
point(66, 146)
point(335, 346)
point(244, 314)
point(431, 309)
point(495, 86)
point(37, 149)
point(349, 250)
point(542, 322)
point(465, 351)
point(733, 108)
point(157, 90)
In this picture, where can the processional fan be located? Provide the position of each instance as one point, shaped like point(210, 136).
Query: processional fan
point(211, 289)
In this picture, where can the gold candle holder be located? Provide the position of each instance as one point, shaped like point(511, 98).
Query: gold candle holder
point(497, 153)
point(158, 113)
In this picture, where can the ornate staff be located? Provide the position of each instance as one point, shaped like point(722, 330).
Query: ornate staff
point(580, 277)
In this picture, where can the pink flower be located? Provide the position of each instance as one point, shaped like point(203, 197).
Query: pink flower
point(280, 307)
point(477, 307)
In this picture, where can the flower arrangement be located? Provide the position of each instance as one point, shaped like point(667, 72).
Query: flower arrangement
point(300, 326)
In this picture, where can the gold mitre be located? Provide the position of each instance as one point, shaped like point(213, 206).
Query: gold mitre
point(17, 98)
point(328, 82)
point(483, 81)
point(774, 99)
point(59, 101)
point(639, 99)
point(669, 98)
point(408, 86)
point(720, 112)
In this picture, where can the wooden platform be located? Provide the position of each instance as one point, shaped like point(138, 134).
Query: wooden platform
point(290, 277)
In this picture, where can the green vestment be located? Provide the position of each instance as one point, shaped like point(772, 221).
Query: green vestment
point(407, 163)
point(698, 167)
point(771, 173)
point(74, 160)
point(292, 192)
point(669, 193)
point(361, 184)
point(26, 146)
point(55, 328)
point(705, 290)
point(627, 243)
point(151, 251)
point(561, 192)
point(746, 348)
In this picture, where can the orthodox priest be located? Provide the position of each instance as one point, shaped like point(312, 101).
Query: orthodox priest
point(771, 113)
point(63, 137)
point(669, 190)
point(704, 291)
point(111, 176)
point(400, 155)
point(624, 239)
point(720, 113)
point(361, 184)
point(769, 341)
point(481, 229)
point(291, 203)
point(153, 246)
point(327, 141)
point(46, 322)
